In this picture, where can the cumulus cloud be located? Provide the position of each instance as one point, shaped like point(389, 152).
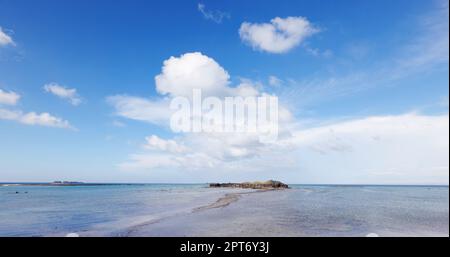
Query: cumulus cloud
point(278, 36)
point(5, 39)
point(8, 98)
point(179, 76)
point(192, 70)
point(216, 16)
point(69, 94)
point(32, 118)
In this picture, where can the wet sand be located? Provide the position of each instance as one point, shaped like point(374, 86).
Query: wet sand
point(228, 199)
point(222, 202)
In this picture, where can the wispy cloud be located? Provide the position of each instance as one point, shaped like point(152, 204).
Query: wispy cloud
point(216, 16)
point(319, 53)
point(141, 109)
point(8, 98)
point(275, 81)
point(5, 39)
point(69, 94)
point(428, 51)
point(279, 36)
point(32, 118)
point(431, 46)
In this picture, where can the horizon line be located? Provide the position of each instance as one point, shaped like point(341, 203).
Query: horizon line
point(79, 183)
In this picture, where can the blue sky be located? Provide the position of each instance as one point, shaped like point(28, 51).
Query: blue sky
point(367, 69)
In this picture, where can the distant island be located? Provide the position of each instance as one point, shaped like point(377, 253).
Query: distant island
point(270, 184)
point(54, 183)
point(66, 183)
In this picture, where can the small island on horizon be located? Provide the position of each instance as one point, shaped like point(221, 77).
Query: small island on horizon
point(270, 184)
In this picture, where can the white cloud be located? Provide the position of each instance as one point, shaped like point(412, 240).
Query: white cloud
point(141, 109)
point(246, 88)
point(278, 36)
point(8, 98)
point(398, 149)
point(216, 16)
point(69, 94)
point(317, 52)
point(32, 118)
point(200, 150)
point(155, 143)
point(196, 151)
point(5, 39)
point(191, 70)
point(179, 76)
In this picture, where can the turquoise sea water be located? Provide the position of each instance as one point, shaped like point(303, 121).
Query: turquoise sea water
point(167, 210)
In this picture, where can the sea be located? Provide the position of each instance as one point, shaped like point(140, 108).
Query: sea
point(188, 210)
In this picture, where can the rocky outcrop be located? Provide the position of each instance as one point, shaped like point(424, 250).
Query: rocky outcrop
point(271, 184)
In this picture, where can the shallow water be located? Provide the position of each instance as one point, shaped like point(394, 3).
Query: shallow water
point(93, 210)
point(167, 210)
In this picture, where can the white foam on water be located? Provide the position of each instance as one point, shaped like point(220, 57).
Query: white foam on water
point(372, 235)
point(72, 235)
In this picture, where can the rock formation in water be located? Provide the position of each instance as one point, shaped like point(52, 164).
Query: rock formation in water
point(271, 184)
